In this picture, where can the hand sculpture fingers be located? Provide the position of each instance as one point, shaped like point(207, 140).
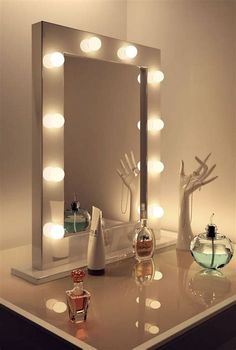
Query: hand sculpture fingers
point(203, 167)
point(200, 184)
point(208, 173)
point(123, 167)
point(182, 173)
point(128, 162)
point(202, 163)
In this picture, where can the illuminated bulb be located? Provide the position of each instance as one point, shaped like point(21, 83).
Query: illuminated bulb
point(153, 124)
point(53, 174)
point(53, 121)
point(151, 328)
point(154, 211)
point(127, 52)
point(154, 77)
point(158, 276)
point(53, 231)
point(150, 303)
point(91, 45)
point(50, 303)
point(53, 60)
point(155, 166)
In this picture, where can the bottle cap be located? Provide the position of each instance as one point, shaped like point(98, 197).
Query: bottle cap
point(211, 231)
point(77, 275)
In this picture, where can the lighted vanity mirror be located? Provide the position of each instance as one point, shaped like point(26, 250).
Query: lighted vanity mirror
point(89, 93)
point(102, 111)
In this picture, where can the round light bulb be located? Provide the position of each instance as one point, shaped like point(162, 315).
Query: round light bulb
point(53, 60)
point(127, 52)
point(53, 231)
point(155, 211)
point(53, 174)
point(155, 77)
point(155, 166)
point(59, 307)
point(158, 275)
point(153, 304)
point(151, 328)
point(53, 121)
point(50, 303)
point(154, 124)
point(91, 45)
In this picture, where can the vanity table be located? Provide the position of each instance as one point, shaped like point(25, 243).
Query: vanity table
point(123, 314)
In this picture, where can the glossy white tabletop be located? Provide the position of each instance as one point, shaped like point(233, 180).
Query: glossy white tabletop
point(124, 313)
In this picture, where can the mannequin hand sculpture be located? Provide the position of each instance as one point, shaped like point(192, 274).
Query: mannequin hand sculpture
point(129, 174)
point(189, 184)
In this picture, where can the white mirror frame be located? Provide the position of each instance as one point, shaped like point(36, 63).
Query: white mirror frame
point(48, 143)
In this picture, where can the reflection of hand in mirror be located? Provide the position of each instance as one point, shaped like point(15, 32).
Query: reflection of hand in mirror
point(129, 175)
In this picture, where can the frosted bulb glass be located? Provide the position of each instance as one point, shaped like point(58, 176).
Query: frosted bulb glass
point(155, 211)
point(158, 275)
point(53, 60)
point(127, 52)
point(53, 121)
point(53, 231)
point(91, 45)
point(155, 77)
point(153, 125)
point(155, 166)
point(53, 174)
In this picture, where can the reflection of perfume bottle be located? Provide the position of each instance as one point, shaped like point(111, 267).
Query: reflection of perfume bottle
point(144, 272)
point(144, 240)
point(78, 298)
point(76, 219)
point(211, 249)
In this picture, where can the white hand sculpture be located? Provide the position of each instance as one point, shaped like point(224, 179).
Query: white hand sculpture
point(189, 184)
point(129, 174)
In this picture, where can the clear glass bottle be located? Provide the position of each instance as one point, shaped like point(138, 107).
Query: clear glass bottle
point(76, 219)
point(144, 240)
point(211, 250)
point(78, 298)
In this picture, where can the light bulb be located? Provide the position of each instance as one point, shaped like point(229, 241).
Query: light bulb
point(155, 211)
point(92, 44)
point(50, 303)
point(150, 303)
point(155, 166)
point(59, 307)
point(53, 60)
point(53, 231)
point(154, 77)
point(53, 121)
point(53, 174)
point(154, 124)
point(127, 52)
point(151, 328)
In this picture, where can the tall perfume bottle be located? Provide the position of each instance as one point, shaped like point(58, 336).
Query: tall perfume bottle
point(211, 250)
point(144, 240)
point(78, 298)
point(76, 219)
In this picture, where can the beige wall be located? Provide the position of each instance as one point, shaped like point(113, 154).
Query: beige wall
point(105, 17)
point(197, 42)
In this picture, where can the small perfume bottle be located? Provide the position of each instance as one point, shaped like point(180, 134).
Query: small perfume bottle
point(144, 240)
point(78, 298)
point(76, 219)
point(211, 250)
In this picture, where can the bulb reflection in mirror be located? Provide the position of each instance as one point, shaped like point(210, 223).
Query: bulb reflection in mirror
point(57, 306)
point(53, 174)
point(127, 52)
point(154, 125)
point(158, 275)
point(92, 44)
point(155, 211)
point(53, 121)
point(150, 303)
point(148, 327)
point(53, 231)
point(53, 60)
point(154, 77)
point(154, 166)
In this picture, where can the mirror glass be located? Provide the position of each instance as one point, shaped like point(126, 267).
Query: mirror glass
point(102, 110)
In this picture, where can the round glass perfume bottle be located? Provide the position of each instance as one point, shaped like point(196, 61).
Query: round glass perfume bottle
point(144, 240)
point(211, 250)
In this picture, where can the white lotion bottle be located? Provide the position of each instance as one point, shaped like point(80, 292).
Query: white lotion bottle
point(96, 247)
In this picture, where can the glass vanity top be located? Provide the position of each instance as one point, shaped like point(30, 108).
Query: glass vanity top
point(131, 304)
